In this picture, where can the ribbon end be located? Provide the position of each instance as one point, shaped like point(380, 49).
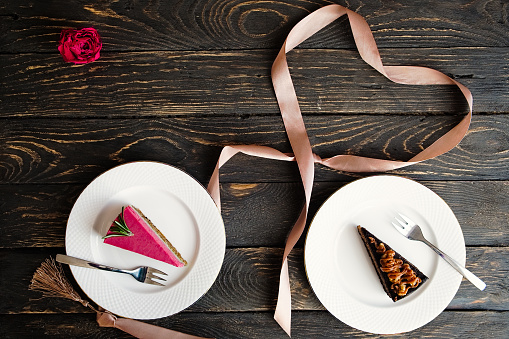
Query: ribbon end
point(283, 313)
point(285, 323)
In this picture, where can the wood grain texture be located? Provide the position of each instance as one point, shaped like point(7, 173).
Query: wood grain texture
point(178, 80)
point(257, 214)
point(76, 151)
point(41, 209)
point(248, 282)
point(317, 324)
point(237, 83)
point(208, 24)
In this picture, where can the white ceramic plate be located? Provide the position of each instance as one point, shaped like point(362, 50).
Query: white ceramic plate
point(339, 268)
point(182, 210)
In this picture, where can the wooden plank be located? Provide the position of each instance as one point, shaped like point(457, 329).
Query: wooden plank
point(182, 79)
point(76, 151)
point(247, 282)
point(238, 83)
point(475, 325)
point(36, 216)
point(254, 214)
point(205, 24)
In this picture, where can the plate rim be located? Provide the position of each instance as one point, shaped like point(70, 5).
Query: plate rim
point(306, 264)
point(77, 272)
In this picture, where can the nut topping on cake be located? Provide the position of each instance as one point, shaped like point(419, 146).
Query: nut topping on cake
point(398, 276)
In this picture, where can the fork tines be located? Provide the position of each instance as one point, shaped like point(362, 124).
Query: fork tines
point(152, 276)
point(402, 226)
point(407, 220)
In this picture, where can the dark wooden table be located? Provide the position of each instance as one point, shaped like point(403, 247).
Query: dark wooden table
point(177, 80)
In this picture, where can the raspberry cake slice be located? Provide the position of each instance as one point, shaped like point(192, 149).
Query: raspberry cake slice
point(398, 276)
point(133, 231)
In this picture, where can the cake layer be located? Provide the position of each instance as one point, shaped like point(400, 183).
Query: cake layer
point(141, 237)
point(398, 276)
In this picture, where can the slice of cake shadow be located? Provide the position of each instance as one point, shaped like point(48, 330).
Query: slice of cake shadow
point(399, 277)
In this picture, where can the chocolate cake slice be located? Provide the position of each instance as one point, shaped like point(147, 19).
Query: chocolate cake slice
point(398, 276)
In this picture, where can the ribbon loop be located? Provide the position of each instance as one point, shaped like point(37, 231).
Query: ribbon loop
point(297, 134)
point(106, 319)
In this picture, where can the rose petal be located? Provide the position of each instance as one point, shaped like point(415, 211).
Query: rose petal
point(80, 46)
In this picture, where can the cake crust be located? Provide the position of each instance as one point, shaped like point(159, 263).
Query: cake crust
point(161, 236)
point(397, 275)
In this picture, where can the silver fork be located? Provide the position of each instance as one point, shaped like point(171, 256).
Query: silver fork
point(413, 232)
point(143, 274)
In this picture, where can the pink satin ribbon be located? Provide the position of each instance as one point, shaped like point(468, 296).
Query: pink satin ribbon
point(140, 329)
point(297, 134)
point(302, 151)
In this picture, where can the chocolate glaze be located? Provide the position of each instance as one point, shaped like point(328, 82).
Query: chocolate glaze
point(398, 276)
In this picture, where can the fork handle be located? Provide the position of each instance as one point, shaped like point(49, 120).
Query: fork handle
point(65, 259)
point(458, 267)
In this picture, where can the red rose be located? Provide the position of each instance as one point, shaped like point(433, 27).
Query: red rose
point(80, 46)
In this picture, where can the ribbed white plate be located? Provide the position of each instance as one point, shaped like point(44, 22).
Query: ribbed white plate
point(340, 270)
point(182, 210)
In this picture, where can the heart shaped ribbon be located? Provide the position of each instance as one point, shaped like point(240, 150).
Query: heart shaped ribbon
point(297, 134)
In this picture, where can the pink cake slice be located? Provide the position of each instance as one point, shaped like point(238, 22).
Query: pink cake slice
point(134, 232)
